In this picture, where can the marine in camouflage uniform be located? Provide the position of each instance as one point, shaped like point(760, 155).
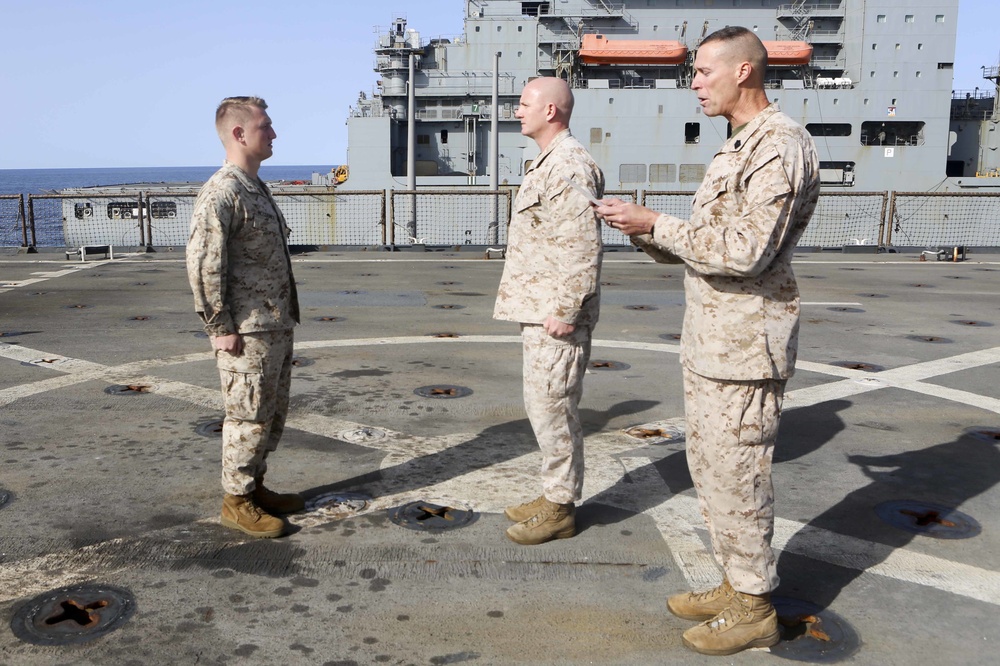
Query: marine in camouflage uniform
point(738, 349)
point(741, 323)
point(552, 273)
point(240, 272)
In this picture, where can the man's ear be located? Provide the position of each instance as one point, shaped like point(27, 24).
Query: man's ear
point(237, 133)
point(743, 72)
point(551, 111)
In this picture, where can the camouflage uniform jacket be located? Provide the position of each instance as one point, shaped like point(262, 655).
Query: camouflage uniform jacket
point(554, 245)
point(742, 316)
point(237, 257)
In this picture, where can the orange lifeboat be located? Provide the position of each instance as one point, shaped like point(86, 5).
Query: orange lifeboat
point(788, 53)
point(597, 50)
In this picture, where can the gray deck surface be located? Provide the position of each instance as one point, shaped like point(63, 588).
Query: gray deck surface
point(123, 489)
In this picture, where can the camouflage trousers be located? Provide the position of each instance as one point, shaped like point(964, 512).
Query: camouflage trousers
point(731, 429)
point(553, 384)
point(255, 387)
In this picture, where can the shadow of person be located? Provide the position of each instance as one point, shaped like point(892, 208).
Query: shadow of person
point(802, 430)
point(947, 474)
point(490, 447)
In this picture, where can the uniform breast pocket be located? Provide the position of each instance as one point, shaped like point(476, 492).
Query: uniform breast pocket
point(528, 208)
point(525, 201)
point(706, 195)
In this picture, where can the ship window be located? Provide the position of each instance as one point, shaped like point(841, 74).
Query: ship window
point(836, 173)
point(897, 47)
point(123, 210)
point(662, 173)
point(163, 209)
point(659, 109)
point(632, 173)
point(499, 28)
point(692, 173)
point(596, 134)
point(520, 28)
point(692, 132)
point(880, 18)
point(918, 74)
point(424, 139)
point(82, 210)
point(829, 129)
point(946, 65)
point(444, 136)
point(892, 133)
point(908, 18)
point(920, 47)
point(477, 28)
point(535, 8)
point(895, 75)
point(874, 47)
point(939, 18)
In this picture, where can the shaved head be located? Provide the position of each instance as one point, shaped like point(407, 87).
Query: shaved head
point(738, 45)
point(555, 91)
point(544, 109)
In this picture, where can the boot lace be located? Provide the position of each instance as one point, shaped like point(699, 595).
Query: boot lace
point(736, 612)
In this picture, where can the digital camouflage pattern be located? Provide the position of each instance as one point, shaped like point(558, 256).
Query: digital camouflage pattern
point(553, 385)
point(255, 387)
point(553, 268)
point(240, 272)
point(742, 315)
point(740, 335)
point(237, 257)
point(554, 250)
point(730, 428)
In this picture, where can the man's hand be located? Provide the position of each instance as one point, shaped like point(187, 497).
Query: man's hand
point(231, 344)
point(630, 218)
point(556, 328)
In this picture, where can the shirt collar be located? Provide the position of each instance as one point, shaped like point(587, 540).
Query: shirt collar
point(251, 184)
point(556, 140)
point(740, 139)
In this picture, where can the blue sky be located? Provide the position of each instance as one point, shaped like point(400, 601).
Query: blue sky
point(119, 83)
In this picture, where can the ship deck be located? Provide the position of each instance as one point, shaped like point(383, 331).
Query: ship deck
point(894, 401)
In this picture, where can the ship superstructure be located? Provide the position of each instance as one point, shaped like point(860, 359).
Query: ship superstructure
point(870, 79)
point(435, 151)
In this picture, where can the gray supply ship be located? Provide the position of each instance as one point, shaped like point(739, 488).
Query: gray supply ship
point(435, 152)
point(871, 80)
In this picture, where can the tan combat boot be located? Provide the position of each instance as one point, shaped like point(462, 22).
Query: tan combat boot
point(276, 503)
point(553, 521)
point(524, 511)
point(701, 606)
point(240, 513)
point(749, 621)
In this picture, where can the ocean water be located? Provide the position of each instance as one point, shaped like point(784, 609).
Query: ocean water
point(41, 181)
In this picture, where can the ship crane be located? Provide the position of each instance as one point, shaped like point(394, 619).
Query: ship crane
point(993, 74)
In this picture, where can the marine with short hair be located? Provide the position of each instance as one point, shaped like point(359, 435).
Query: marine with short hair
point(740, 335)
point(240, 272)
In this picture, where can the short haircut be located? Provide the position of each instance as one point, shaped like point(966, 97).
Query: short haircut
point(235, 111)
point(743, 45)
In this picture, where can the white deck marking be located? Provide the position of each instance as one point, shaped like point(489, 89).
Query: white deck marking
point(678, 518)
